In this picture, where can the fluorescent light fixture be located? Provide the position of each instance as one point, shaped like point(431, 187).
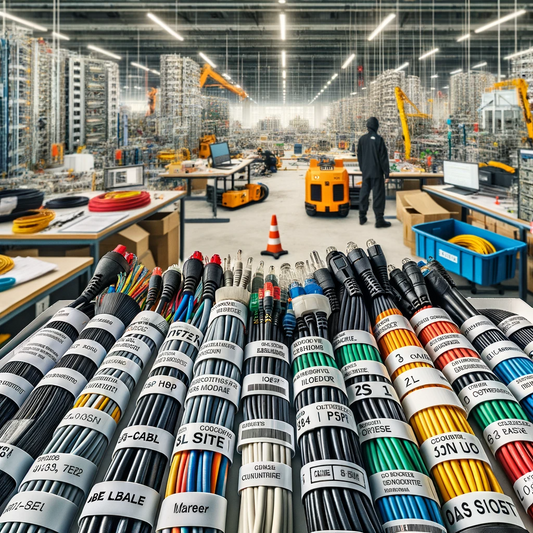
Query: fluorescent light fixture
point(351, 94)
point(101, 51)
point(282, 26)
point(22, 21)
point(372, 82)
point(283, 59)
point(464, 38)
point(503, 76)
point(238, 86)
point(227, 76)
point(334, 76)
point(363, 89)
point(282, 1)
point(434, 76)
point(328, 82)
point(126, 87)
point(427, 54)
point(432, 88)
point(136, 87)
point(60, 36)
point(284, 74)
point(446, 87)
point(133, 64)
point(517, 54)
point(456, 71)
point(511, 16)
point(387, 20)
point(156, 72)
point(348, 61)
point(165, 26)
point(479, 65)
point(284, 83)
point(206, 59)
point(401, 67)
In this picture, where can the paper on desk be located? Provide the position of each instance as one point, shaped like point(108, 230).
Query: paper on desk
point(28, 268)
point(93, 223)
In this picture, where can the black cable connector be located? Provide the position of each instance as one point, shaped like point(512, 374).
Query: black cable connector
point(405, 289)
point(192, 272)
point(212, 277)
point(379, 264)
point(154, 288)
point(413, 272)
point(342, 270)
point(363, 269)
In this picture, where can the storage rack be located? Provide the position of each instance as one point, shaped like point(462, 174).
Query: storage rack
point(525, 185)
point(465, 95)
point(522, 67)
point(215, 116)
point(4, 106)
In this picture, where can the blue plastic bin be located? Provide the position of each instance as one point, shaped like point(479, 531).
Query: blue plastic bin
point(431, 241)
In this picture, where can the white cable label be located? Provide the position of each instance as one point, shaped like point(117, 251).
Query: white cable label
point(8, 205)
point(269, 384)
point(274, 349)
point(391, 323)
point(484, 391)
point(193, 509)
point(504, 432)
point(422, 399)
point(265, 474)
point(406, 525)
point(146, 438)
point(174, 359)
point(41, 509)
point(108, 323)
point(181, 331)
point(311, 345)
point(93, 419)
point(166, 385)
point(154, 320)
point(418, 377)
point(514, 323)
point(63, 468)
point(454, 446)
point(229, 308)
point(458, 368)
point(402, 483)
point(444, 343)
point(371, 389)
point(426, 317)
point(354, 336)
point(129, 366)
point(319, 376)
point(65, 378)
point(330, 473)
point(14, 387)
point(213, 385)
point(132, 345)
point(385, 427)
point(72, 316)
point(529, 349)
point(268, 431)
point(145, 330)
point(500, 351)
point(124, 499)
point(14, 462)
point(110, 387)
point(364, 368)
point(523, 488)
point(324, 414)
point(205, 437)
point(225, 350)
point(476, 509)
point(476, 325)
point(405, 356)
point(521, 387)
point(90, 349)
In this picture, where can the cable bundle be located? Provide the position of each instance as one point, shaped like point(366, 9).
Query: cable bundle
point(67, 202)
point(6, 264)
point(62, 476)
point(205, 442)
point(16, 203)
point(34, 221)
point(467, 486)
point(335, 489)
point(474, 243)
point(266, 438)
point(119, 201)
point(389, 446)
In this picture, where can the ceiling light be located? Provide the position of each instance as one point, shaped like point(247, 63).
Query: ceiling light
point(363, 89)
point(283, 83)
point(351, 94)
point(284, 74)
point(378, 30)
point(126, 87)
point(136, 87)
point(434, 76)
point(432, 88)
point(516, 54)
point(133, 64)
point(401, 67)
point(60, 36)
point(283, 59)
point(99, 50)
point(165, 27)
point(446, 87)
point(334, 76)
point(456, 71)
point(238, 86)
point(503, 76)
point(511, 16)
point(427, 54)
point(328, 82)
point(206, 59)
point(282, 1)
point(156, 72)
point(348, 61)
point(22, 21)
point(479, 65)
point(464, 38)
point(227, 76)
point(282, 23)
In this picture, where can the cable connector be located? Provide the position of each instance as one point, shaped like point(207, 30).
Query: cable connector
point(192, 272)
point(412, 271)
point(363, 269)
point(379, 264)
point(311, 303)
point(171, 283)
point(342, 270)
point(154, 288)
point(403, 286)
point(212, 278)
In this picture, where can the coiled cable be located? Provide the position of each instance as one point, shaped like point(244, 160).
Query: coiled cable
point(6, 264)
point(34, 222)
point(67, 202)
point(18, 202)
point(119, 201)
point(474, 243)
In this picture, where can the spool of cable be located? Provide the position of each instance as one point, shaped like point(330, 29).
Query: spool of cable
point(119, 201)
point(66, 202)
point(15, 203)
point(6, 264)
point(35, 222)
point(474, 243)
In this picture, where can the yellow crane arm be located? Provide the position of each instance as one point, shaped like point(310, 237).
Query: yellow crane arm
point(208, 72)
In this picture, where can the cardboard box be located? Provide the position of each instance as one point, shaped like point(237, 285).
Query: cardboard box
point(530, 274)
point(164, 230)
point(199, 184)
point(147, 259)
point(63, 251)
point(22, 252)
point(506, 230)
point(134, 238)
point(478, 216)
point(161, 223)
point(452, 207)
point(490, 224)
point(411, 185)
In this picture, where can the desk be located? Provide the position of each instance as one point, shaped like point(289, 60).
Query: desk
point(486, 206)
point(209, 173)
point(55, 237)
point(19, 298)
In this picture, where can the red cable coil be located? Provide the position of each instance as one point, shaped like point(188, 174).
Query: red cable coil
point(119, 201)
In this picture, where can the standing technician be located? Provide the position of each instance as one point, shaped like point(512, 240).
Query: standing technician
point(374, 164)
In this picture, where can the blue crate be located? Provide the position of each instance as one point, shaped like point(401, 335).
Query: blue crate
point(431, 241)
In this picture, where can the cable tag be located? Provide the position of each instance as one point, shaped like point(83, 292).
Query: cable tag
point(402, 483)
point(266, 431)
point(14, 462)
point(458, 368)
point(183, 332)
point(174, 359)
point(230, 308)
point(74, 317)
point(124, 499)
point(123, 364)
point(90, 349)
point(411, 524)
point(426, 317)
point(311, 345)
point(514, 323)
point(502, 432)
point(523, 488)
point(418, 377)
point(14, 387)
point(500, 351)
point(166, 385)
point(146, 438)
point(110, 387)
point(90, 418)
point(364, 368)
point(453, 446)
point(224, 350)
point(319, 376)
point(477, 509)
point(135, 346)
point(108, 323)
point(324, 414)
point(63, 468)
point(268, 384)
point(65, 378)
point(273, 349)
point(444, 343)
point(371, 390)
point(265, 474)
point(193, 509)
point(391, 323)
point(405, 356)
point(330, 473)
point(422, 399)
point(484, 391)
point(379, 428)
point(521, 387)
point(354, 336)
point(205, 437)
point(476, 325)
point(150, 324)
point(213, 385)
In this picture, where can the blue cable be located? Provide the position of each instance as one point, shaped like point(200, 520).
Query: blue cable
point(181, 307)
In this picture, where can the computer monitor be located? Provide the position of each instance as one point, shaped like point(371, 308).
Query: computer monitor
point(127, 177)
point(220, 154)
point(464, 177)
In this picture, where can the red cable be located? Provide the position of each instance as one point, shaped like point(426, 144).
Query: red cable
point(117, 202)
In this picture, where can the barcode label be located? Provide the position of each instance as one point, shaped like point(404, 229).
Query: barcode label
point(265, 430)
point(269, 384)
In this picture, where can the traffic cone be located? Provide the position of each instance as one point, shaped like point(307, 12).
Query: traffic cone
point(274, 242)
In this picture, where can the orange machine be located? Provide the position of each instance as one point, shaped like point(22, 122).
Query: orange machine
point(208, 72)
point(152, 99)
point(205, 142)
point(327, 189)
point(239, 197)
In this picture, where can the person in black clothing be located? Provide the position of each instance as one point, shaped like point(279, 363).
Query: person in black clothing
point(374, 164)
point(270, 161)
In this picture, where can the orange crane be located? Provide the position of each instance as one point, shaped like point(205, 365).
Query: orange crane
point(152, 98)
point(208, 72)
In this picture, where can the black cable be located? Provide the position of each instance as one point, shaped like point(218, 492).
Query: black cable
point(67, 202)
point(18, 202)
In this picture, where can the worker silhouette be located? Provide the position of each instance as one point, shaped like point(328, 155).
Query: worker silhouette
point(374, 164)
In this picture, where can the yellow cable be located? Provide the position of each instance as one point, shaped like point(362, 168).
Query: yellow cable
point(6, 264)
point(33, 223)
point(474, 243)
